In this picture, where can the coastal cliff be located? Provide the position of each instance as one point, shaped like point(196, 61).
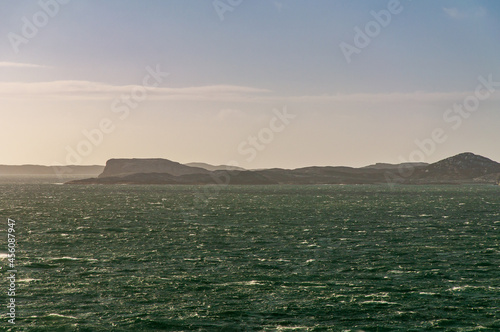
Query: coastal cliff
point(465, 168)
point(125, 167)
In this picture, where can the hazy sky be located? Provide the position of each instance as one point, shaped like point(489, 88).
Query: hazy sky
point(258, 83)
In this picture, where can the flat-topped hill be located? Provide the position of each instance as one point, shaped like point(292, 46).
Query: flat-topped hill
point(459, 169)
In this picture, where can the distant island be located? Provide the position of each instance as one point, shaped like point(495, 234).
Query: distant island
point(464, 168)
point(90, 170)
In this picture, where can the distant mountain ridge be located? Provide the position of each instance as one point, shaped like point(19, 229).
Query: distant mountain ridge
point(395, 166)
point(124, 167)
point(459, 169)
point(209, 167)
point(50, 170)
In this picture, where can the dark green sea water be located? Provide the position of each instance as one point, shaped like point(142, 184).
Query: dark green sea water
point(253, 258)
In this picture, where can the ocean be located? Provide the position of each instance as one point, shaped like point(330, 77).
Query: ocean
point(251, 258)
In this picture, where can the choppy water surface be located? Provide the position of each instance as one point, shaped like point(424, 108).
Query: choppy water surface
point(254, 258)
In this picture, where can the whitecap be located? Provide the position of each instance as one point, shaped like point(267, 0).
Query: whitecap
point(459, 288)
point(427, 293)
point(67, 258)
point(383, 294)
point(27, 280)
point(377, 302)
point(396, 271)
point(292, 328)
point(61, 316)
point(242, 283)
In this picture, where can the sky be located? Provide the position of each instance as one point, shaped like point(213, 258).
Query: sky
point(253, 83)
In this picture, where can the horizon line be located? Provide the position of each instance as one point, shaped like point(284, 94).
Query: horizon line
point(249, 169)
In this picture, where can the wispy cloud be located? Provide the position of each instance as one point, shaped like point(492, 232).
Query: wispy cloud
point(372, 98)
point(278, 5)
point(480, 12)
point(456, 13)
point(86, 90)
point(5, 64)
point(452, 12)
point(230, 114)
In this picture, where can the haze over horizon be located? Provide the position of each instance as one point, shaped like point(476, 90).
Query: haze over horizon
point(194, 164)
point(263, 84)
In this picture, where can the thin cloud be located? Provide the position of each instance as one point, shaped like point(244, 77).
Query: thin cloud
point(231, 114)
point(480, 12)
point(86, 90)
point(455, 13)
point(5, 64)
point(383, 97)
point(278, 5)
